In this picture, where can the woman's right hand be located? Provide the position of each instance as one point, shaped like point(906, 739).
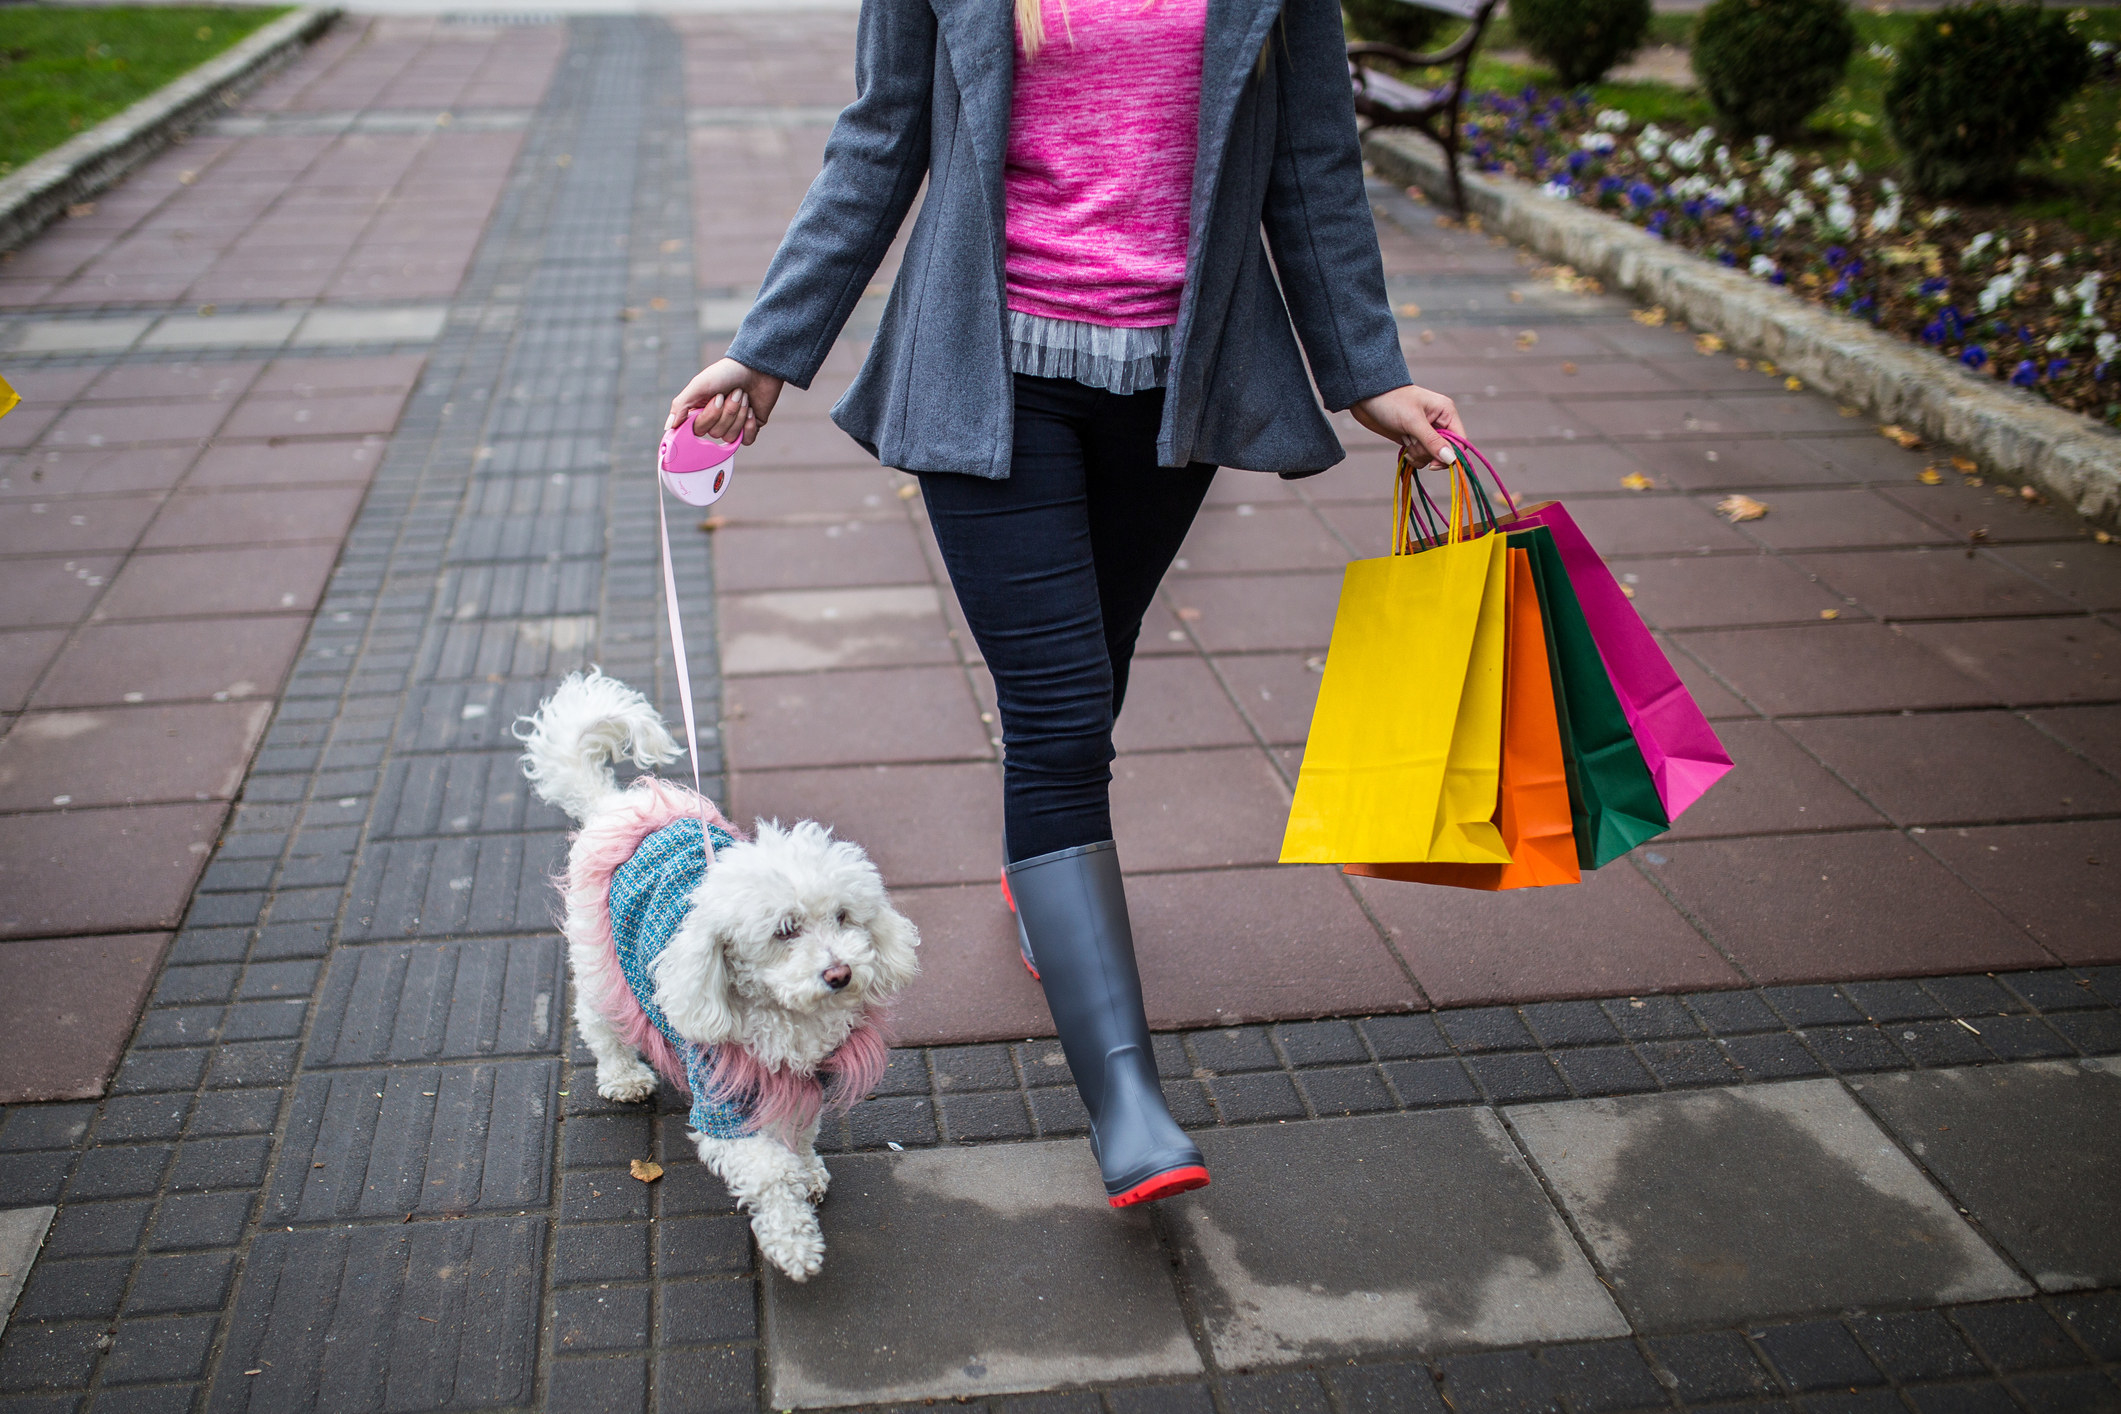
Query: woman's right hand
point(726, 399)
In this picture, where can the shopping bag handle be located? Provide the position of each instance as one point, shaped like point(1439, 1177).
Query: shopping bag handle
point(1419, 524)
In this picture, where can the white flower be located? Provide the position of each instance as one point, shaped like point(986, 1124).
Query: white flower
point(1883, 53)
point(1885, 219)
point(1978, 247)
point(1776, 175)
point(1596, 142)
point(1840, 212)
point(1799, 205)
point(1850, 172)
point(2053, 261)
point(1723, 158)
point(1559, 190)
point(1824, 177)
point(1613, 120)
point(1732, 192)
point(1998, 291)
point(2106, 346)
point(2100, 48)
point(1762, 267)
point(1941, 215)
point(1763, 145)
point(2061, 343)
point(2087, 294)
point(1655, 133)
point(1648, 150)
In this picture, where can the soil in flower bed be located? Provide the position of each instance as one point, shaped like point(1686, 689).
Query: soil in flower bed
point(2026, 291)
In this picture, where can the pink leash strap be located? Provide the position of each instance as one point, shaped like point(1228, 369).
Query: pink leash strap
point(677, 653)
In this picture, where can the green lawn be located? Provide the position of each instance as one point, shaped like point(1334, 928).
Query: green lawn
point(2078, 182)
point(63, 70)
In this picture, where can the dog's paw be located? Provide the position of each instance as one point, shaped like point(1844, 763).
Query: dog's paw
point(629, 1083)
point(790, 1238)
point(817, 1179)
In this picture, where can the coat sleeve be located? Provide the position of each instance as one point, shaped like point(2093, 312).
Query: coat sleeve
point(1317, 214)
point(874, 164)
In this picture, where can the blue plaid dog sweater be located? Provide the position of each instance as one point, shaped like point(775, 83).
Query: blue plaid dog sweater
point(650, 895)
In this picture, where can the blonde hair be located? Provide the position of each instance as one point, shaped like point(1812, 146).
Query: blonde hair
point(1031, 25)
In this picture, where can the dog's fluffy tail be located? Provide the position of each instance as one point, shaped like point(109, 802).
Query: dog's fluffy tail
point(569, 745)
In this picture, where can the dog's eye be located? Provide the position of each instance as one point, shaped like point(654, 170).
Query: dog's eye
point(788, 929)
point(846, 919)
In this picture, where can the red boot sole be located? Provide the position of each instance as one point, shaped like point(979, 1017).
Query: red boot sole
point(1010, 899)
point(1164, 1185)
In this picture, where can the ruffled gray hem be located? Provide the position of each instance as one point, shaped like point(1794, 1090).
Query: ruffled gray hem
point(1117, 360)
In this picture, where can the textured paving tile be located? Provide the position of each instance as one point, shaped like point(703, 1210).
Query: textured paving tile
point(907, 1307)
point(102, 871)
point(129, 755)
point(1455, 1245)
point(1917, 769)
point(68, 1044)
point(2056, 881)
point(2030, 1150)
point(1733, 1205)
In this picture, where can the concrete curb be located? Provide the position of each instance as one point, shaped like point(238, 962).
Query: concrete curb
point(2072, 458)
point(90, 162)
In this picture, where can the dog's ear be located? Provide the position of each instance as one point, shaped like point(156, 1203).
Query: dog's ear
point(895, 939)
point(692, 982)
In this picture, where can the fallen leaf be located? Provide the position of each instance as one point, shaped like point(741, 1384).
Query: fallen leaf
point(629, 313)
point(1707, 344)
point(1793, 383)
point(2102, 537)
point(1738, 508)
point(1517, 297)
point(1473, 223)
point(659, 303)
point(1768, 368)
point(1636, 481)
point(1188, 615)
point(647, 1170)
point(1627, 591)
point(1846, 411)
point(1569, 369)
point(1315, 664)
point(2028, 493)
point(714, 523)
point(80, 209)
point(1653, 316)
point(1895, 433)
point(1428, 336)
point(1526, 338)
point(1410, 311)
point(909, 490)
point(1965, 464)
point(1743, 365)
point(209, 310)
point(1930, 476)
point(1829, 613)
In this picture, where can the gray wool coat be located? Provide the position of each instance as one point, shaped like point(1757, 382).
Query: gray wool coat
point(1278, 155)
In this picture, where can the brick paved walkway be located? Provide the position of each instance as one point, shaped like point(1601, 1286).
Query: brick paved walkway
point(1669, 1140)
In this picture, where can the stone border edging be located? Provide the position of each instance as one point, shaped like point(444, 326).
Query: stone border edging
point(93, 161)
point(2064, 453)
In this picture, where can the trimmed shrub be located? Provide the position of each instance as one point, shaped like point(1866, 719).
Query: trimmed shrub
point(1974, 89)
point(1767, 65)
point(1392, 22)
point(1581, 39)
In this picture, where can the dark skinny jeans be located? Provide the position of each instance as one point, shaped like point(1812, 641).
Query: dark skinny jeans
point(1054, 568)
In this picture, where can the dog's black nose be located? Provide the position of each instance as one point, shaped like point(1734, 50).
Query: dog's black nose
point(838, 975)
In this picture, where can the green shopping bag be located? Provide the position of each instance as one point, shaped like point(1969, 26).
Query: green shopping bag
point(1612, 798)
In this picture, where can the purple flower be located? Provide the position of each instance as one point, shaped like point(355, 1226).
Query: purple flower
point(1778, 278)
point(1657, 223)
point(2099, 372)
point(2025, 374)
point(1577, 160)
point(1863, 306)
point(1841, 287)
point(1727, 257)
point(1609, 186)
point(1694, 207)
point(2055, 366)
point(1752, 232)
point(1835, 255)
point(1642, 193)
point(1936, 285)
point(1974, 356)
point(1933, 332)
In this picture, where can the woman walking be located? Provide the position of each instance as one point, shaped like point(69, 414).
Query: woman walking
point(1085, 326)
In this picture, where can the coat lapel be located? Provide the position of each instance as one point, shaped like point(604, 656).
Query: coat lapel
point(1236, 29)
point(979, 38)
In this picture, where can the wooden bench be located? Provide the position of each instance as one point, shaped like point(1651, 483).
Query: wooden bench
point(1389, 102)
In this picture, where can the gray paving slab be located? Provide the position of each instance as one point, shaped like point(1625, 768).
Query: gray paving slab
point(22, 1233)
point(1734, 1205)
point(974, 1271)
point(1391, 1232)
point(2032, 1151)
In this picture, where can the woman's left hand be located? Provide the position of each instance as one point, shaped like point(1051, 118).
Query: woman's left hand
point(1410, 417)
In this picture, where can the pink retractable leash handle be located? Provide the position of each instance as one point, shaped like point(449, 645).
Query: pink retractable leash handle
point(697, 471)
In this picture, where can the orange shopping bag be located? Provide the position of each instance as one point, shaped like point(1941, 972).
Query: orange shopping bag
point(1532, 810)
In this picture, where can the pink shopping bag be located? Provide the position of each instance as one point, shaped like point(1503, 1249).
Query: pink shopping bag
point(1682, 752)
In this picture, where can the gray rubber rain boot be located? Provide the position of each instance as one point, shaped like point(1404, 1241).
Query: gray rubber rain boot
point(1072, 908)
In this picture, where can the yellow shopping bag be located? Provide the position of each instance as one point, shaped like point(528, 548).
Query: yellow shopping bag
point(1405, 751)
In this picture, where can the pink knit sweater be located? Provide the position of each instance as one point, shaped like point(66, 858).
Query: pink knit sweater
point(1100, 170)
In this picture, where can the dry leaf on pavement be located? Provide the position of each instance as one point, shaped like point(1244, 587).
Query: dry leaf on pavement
point(1894, 432)
point(647, 1170)
point(1738, 508)
point(1636, 481)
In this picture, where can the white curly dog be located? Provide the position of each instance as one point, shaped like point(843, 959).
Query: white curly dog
point(748, 972)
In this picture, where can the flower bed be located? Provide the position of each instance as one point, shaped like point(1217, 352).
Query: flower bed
point(2021, 300)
